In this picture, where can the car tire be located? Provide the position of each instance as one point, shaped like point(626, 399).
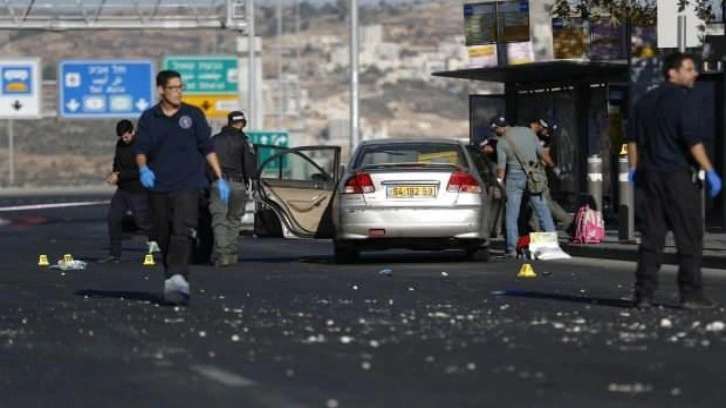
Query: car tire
point(479, 254)
point(344, 254)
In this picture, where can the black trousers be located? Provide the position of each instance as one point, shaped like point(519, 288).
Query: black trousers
point(669, 202)
point(203, 245)
point(121, 202)
point(175, 215)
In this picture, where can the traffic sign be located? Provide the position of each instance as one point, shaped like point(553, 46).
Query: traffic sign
point(270, 138)
point(205, 75)
point(105, 88)
point(214, 106)
point(20, 88)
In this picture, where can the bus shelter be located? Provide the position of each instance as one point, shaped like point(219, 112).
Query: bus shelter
point(588, 100)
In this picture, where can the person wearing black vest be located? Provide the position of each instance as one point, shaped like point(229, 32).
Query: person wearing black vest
point(238, 167)
point(130, 194)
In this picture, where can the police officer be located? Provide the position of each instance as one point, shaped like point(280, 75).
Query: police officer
point(525, 142)
point(546, 128)
point(172, 146)
point(130, 194)
point(238, 168)
point(663, 140)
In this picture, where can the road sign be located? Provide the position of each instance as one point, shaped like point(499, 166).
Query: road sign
point(105, 88)
point(20, 88)
point(205, 75)
point(214, 106)
point(271, 138)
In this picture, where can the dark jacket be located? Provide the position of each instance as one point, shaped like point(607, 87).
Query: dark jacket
point(176, 147)
point(664, 125)
point(124, 163)
point(235, 154)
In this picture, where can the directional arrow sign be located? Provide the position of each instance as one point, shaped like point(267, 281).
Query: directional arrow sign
point(20, 88)
point(142, 104)
point(73, 105)
point(105, 88)
point(214, 106)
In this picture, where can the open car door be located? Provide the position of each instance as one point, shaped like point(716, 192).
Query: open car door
point(298, 185)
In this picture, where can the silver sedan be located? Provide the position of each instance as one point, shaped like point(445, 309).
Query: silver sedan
point(415, 194)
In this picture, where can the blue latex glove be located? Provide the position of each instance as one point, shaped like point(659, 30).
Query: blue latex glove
point(147, 177)
point(223, 188)
point(631, 176)
point(714, 181)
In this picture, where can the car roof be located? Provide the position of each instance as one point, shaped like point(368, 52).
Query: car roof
point(378, 142)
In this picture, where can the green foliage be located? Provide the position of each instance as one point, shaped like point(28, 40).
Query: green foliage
point(639, 12)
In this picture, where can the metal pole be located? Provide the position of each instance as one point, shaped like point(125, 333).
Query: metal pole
point(297, 59)
point(280, 90)
point(682, 33)
point(11, 154)
point(682, 25)
point(252, 61)
point(626, 217)
point(354, 115)
point(594, 180)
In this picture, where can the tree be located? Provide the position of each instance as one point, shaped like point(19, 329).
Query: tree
point(639, 12)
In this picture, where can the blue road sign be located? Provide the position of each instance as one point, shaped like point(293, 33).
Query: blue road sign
point(105, 88)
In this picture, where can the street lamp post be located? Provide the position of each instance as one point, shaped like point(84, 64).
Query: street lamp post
point(251, 72)
point(354, 114)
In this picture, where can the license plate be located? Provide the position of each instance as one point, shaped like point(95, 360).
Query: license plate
point(411, 191)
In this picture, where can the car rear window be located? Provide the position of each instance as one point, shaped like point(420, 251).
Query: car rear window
point(411, 153)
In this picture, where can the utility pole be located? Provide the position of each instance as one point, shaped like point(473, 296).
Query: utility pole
point(252, 60)
point(354, 97)
point(280, 87)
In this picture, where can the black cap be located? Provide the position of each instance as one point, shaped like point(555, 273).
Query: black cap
point(235, 116)
point(498, 121)
point(549, 123)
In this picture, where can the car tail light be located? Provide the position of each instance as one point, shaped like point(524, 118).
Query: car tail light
point(461, 182)
point(359, 183)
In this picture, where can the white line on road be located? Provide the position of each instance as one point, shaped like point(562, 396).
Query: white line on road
point(49, 206)
point(220, 375)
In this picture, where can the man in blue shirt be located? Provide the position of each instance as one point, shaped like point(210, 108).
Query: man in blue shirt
point(172, 149)
point(663, 141)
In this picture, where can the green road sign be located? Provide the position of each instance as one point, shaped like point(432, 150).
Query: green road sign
point(205, 75)
point(274, 138)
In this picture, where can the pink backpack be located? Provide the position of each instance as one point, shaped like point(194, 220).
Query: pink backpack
point(589, 226)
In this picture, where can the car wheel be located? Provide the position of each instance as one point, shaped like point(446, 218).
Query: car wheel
point(344, 254)
point(479, 254)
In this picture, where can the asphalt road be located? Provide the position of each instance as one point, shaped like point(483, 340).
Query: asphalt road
point(288, 328)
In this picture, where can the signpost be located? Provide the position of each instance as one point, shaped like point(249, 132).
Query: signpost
point(105, 88)
point(210, 82)
point(20, 98)
point(20, 85)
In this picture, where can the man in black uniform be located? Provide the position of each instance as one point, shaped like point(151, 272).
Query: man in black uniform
point(130, 195)
point(663, 140)
point(172, 149)
point(238, 167)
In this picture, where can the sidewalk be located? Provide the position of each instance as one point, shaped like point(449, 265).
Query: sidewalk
point(714, 249)
point(714, 252)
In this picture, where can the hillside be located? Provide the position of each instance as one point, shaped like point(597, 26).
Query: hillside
point(54, 151)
